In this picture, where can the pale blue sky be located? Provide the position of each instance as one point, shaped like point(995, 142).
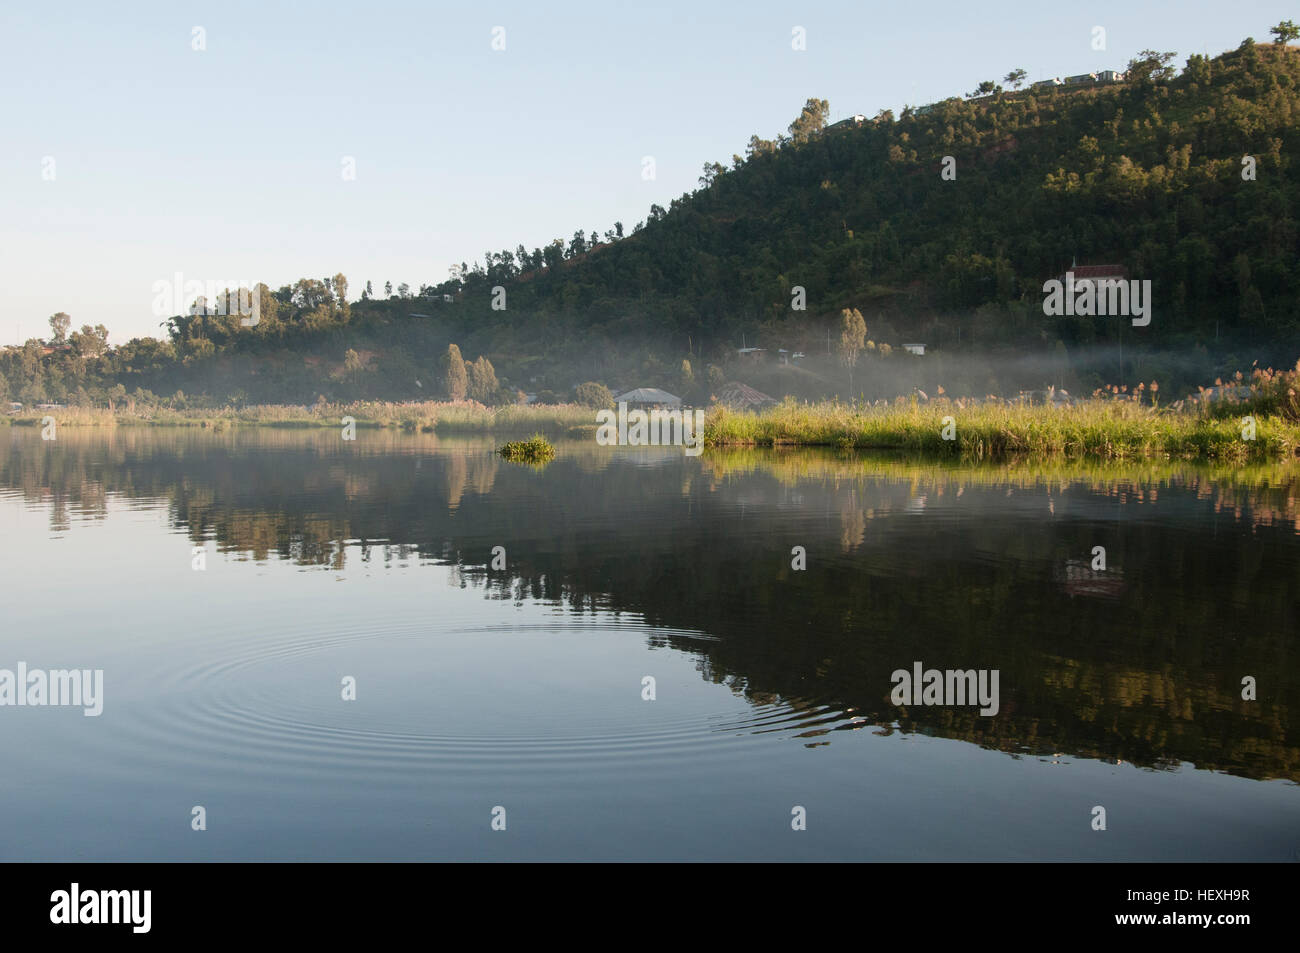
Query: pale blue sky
point(225, 163)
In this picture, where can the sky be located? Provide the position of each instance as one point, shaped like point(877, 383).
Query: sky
point(136, 147)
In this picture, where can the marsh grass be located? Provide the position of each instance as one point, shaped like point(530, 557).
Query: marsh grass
point(1106, 427)
point(462, 417)
point(1097, 429)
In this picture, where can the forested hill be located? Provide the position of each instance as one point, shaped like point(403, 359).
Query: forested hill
point(1184, 177)
point(1145, 173)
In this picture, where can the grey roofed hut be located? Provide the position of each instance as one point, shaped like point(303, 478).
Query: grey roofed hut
point(649, 397)
point(738, 396)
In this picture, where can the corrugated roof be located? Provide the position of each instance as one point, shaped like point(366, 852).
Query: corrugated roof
point(740, 396)
point(648, 395)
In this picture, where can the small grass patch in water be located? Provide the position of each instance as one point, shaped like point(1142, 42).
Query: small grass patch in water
point(536, 449)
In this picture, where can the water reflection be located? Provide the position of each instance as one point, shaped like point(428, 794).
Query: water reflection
point(959, 566)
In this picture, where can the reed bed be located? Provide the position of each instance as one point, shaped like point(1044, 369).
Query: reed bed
point(1100, 428)
point(463, 417)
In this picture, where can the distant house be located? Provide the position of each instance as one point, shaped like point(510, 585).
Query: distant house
point(753, 353)
point(918, 349)
point(55, 348)
point(448, 298)
point(648, 398)
point(925, 110)
point(855, 120)
point(1085, 275)
point(15, 407)
point(1046, 82)
point(1081, 79)
point(738, 396)
point(1110, 76)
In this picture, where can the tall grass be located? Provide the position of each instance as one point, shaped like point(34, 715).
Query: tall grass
point(424, 417)
point(1097, 428)
point(1107, 427)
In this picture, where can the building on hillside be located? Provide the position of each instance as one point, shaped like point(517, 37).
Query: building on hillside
point(649, 398)
point(1085, 275)
point(738, 396)
point(1054, 81)
point(855, 120)
point(918, 349)
point(1110, 76)
point(753, 353)
point(1081, 79)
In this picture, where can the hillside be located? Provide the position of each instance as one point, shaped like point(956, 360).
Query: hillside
point(1146, 174)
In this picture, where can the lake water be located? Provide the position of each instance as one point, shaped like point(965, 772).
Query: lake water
point(522, 687)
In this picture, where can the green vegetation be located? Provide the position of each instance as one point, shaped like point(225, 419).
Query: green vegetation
point(1115, 424)
point(1112, 425)
point(1099, 428)
point(536, 449)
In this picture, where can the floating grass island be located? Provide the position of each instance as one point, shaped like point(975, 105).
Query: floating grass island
point(536, 449)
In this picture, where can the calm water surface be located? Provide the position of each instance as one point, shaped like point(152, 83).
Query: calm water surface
point(522, 687)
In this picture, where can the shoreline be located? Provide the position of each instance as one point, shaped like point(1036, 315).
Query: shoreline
point(1092, 429)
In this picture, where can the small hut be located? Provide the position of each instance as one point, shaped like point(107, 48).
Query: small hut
point(648, 398)
point(738, 396)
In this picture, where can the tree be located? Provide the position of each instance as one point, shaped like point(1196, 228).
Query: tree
point(591, 394)
point(1151, 67)
point(368, 293)
point(455, 379)
point(1015, 79)
point(90, 342)
point(352, 366)
point(483, 384)
point(310, 294)
point(59, 324)
point(811, 120)
point(758, 147)
point(853, 334)
point(711, 172)
point(1285, 32)
point(388, 289)
point(986, 88)
point(340, 285)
